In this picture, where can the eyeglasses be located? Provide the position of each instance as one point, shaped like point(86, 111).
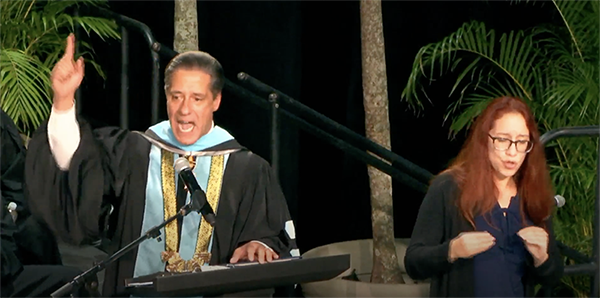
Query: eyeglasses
point(502, 144)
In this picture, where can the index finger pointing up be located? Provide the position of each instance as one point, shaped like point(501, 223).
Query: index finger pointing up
point(70, 48)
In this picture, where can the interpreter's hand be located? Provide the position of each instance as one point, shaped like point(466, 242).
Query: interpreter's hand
point(469, 244)
point(253, 251)
point(536, 241)
point(66, 77)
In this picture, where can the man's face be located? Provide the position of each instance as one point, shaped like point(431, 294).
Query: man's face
point(190, 105)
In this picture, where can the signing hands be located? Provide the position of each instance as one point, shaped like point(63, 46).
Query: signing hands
point(253, 251)
point(66, 77)
point(536, 242)
point(468, 244)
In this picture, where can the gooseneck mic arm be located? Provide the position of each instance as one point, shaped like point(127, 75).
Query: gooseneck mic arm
point(198, 197)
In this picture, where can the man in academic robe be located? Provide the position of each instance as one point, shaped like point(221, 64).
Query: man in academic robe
point(87, 173)
point(25, 280)
point(35, 244)
point(30, 259)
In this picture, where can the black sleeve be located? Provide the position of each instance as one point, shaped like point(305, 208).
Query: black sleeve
point(550, 272)
point(74, 202)
point(34, 244)
point(265, 209)
point(427, 253)
point(12, 164)
point(9, 260)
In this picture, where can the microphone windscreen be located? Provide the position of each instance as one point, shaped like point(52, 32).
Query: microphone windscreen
point(181, 164)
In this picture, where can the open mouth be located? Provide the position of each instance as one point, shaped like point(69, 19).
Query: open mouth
point(510, 164)
point(185, 126)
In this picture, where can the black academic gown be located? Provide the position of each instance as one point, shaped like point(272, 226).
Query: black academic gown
point(12, 160)
point(35, 280)
point(9, 261)
point(35, 245)
point(111, 165)
point(12, 165)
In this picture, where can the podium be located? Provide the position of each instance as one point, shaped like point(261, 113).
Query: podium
point(238, 278)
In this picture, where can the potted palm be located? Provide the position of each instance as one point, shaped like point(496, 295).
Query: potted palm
point(32, 38)
point(555, 68)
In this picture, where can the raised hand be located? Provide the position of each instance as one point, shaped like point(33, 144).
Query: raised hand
point(468, 244)
point(536, 241)
point(66, 77)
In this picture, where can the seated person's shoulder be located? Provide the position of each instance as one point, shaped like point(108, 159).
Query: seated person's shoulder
point(10, 132)
point(444, 181)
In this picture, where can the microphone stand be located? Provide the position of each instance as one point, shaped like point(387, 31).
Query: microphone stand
point(154, 232)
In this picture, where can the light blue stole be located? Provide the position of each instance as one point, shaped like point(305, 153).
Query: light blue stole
point(148, 259)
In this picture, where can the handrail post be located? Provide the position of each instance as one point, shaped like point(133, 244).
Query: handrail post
point(155, 83)
point(595, 283)
point(124, 113)
point(274, 100)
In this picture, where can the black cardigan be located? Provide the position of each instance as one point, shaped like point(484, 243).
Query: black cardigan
point(440, 221)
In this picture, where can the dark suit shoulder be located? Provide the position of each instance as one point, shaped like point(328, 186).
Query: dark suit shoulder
point(445, 180)
point(444, 186)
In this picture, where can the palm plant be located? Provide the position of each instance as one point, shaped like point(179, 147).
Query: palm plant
point(553, 67)
point(32, 37)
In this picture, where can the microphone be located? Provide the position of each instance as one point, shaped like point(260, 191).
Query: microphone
point(12, 210)
point(560, 200)
point(198, 197)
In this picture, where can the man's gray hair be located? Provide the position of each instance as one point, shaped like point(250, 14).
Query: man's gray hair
point(197, 60)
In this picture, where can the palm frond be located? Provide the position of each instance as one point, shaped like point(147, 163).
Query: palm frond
point(512, 57)
point(574, 90)
point(25, 83)
point(56, 7)
point(577, 41)
point(527, 2)
point(38, 29)
point(47, 27)
point(473, 106)
point(581, 23)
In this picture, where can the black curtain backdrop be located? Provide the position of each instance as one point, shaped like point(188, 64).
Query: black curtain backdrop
point(309, 50)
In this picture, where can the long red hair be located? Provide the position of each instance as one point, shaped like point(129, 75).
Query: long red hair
point(474, 172)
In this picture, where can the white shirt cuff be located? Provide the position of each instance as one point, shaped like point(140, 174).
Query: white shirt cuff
point(63, 136)
point(263, 244)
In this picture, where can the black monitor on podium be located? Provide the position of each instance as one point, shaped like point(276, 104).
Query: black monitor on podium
point(240, 278)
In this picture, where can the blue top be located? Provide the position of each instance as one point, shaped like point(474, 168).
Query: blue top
point(499, 270)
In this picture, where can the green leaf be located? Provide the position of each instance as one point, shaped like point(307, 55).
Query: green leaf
point(511, 56)
point(32, 40)
point(24, 95)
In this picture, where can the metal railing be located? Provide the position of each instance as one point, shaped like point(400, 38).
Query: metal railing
point(346, 139)
point(586, 265)
point(156, 49)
